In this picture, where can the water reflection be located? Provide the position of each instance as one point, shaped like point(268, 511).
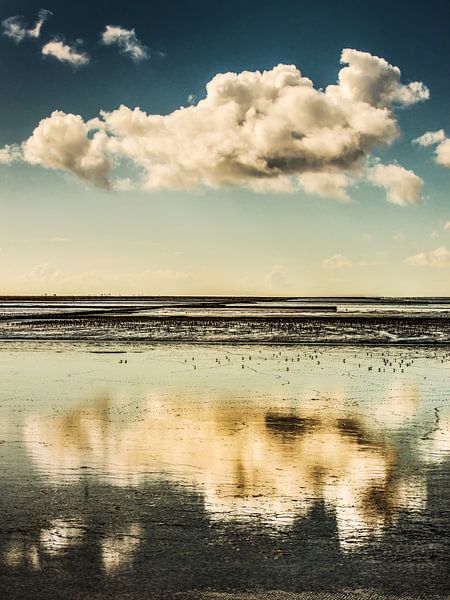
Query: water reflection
point(118, 550)
point(60, 535)
point(19, 552)
point(250, 463)
point(328, 471)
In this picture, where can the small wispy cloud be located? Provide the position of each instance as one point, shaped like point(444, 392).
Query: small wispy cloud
point(166, 275)
point(144, 243)
point(430, 138)
point(65, 53)
point(16, 29)
point(123, 184)
point(43, 272)
point(442, 143)
point(447, 225)
point(338, 261)
point(47, 278)
point(127, 42)
point(439, 258)
point(10, 154)
point(403, 187)
point(276, 279)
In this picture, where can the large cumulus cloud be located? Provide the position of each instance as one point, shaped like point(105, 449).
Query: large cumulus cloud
point(268, 131)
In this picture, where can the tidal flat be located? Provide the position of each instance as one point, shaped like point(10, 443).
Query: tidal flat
point(224, 471)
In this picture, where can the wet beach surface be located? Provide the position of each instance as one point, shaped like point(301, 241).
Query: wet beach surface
point(228, 319)
point(224, 471)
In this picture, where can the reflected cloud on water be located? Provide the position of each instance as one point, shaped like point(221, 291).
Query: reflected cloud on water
point(249, 462)
point(116, 550)
point(322, 459)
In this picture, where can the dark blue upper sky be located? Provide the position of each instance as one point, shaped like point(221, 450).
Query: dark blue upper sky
point(201, 38)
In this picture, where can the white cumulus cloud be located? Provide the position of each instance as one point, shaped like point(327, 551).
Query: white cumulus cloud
point(374, 81)
point(65, 53)
point(403, 187)
point(61, 142)
point(443, 153)
point(127, 42)
point(439, 258)
point(16, 29)
point(267, 131)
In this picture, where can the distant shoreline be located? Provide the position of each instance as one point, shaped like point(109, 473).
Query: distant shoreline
point(233, 320)
point(231, 298)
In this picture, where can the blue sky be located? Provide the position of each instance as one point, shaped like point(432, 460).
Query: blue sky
point(60, 233)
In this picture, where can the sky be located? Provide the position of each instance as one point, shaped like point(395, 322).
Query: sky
point(197, 147)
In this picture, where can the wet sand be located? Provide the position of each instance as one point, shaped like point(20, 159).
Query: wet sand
point(339, 321)
point(228, 471)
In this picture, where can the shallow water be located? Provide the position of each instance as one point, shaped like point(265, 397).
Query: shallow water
point(146, 470)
